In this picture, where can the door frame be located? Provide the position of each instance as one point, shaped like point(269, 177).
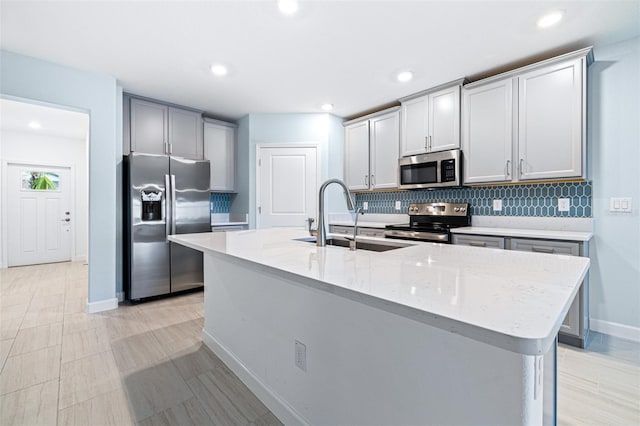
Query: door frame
point(4, 207)
point(260, 146)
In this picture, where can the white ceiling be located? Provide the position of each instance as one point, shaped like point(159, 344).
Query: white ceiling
point(16, 116)
point(342, 52)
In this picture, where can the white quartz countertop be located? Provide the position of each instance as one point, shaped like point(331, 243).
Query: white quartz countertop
point(510, 299)
point(525, 233)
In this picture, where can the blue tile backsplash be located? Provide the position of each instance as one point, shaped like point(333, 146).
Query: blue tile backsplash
point(539, 200)
point(220, 203)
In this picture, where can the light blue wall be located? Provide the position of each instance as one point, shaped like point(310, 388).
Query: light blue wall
point(263, 129)
point(614, 152)
point(34, 79)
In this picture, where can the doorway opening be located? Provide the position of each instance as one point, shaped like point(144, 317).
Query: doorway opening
point(44, 182)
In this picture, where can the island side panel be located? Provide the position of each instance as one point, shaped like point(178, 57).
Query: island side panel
point(364, 365)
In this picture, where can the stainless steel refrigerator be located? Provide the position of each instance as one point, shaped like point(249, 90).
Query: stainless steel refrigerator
point(164, 195)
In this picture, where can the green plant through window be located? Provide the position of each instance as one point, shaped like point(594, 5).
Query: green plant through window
point(40, 181)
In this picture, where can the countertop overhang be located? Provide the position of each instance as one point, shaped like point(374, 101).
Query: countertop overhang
point(509, 299)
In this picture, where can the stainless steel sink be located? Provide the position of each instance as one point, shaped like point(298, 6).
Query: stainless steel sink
point(369, 245)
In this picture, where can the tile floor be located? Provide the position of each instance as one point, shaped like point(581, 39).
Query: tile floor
point(146, 364)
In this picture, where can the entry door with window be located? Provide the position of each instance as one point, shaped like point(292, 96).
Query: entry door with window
point(38, 214)
point(288, 184)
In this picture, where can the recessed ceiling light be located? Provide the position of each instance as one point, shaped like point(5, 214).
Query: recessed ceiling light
point(288, 7)
point(550, 19)
point(327, 107)
point(35, 125)
point(404, 76)
point(218, 70)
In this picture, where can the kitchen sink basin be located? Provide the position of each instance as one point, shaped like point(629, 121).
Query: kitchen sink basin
point(369, 245)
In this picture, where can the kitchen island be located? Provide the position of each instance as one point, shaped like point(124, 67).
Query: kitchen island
point(426, 334)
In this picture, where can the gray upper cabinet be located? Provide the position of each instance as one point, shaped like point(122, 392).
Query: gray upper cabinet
point(220, 150)
point(156, 128)
point(149, 127)
point(185, 133)
point(431, 120)
point(487, 132)
point(527, 124)
point(371, 151)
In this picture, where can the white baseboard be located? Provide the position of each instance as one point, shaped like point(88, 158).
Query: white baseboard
point(102, 305)
point(615, 329)
point(283, 411)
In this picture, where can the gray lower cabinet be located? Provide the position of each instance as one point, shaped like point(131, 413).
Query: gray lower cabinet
point(362, 230)
point(156, 128)
point(479, 241)
point(575, 327)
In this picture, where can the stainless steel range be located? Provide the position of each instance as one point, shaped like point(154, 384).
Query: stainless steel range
point(431, 222)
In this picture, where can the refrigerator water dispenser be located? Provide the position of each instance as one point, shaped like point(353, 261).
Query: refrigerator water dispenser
point(151, 205)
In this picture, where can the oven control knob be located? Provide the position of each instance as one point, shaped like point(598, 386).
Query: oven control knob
point(456, 209)
point(463, 209)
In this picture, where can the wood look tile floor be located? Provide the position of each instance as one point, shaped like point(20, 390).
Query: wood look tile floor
point(146, 364)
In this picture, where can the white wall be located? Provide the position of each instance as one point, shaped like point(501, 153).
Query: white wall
point(30, 79)
point(324, 129)
point(614, 152)
point(31, 147)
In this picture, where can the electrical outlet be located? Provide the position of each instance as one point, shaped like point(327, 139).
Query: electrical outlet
point(301, 356)
point(497, 205)
point(398, 205)
point(365, 205)
point(564, 204)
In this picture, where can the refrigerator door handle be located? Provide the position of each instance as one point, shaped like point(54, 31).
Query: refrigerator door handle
point(173, 204)
point(167, 201)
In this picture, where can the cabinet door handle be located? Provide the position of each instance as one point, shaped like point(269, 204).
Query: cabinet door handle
point(170, 148)
point(477, 243)
point(520, 167)
point(366, 180)
point(542, 249)
point(508, 168)
point(430, 143)
point(426, 143)
point(166, 148)
point(373, 180)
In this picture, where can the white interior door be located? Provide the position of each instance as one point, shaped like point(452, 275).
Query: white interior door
point(39, 216)
point(287, 186)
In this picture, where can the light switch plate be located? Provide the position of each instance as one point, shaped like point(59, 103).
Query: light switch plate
point(620, 204)
point(497, 205)
point(398, 205)
point(365, 205)
point(564, 204)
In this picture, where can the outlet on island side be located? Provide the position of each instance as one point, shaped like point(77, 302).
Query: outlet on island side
point(301, 356)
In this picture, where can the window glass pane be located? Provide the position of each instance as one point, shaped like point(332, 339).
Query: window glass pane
point(40, 181)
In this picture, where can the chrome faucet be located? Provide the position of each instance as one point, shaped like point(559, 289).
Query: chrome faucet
point(352, 243)
point(321, 238)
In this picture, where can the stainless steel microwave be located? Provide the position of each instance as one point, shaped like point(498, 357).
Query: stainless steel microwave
point(433, 170)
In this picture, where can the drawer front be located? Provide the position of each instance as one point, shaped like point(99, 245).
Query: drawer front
point(545, 246)
point(478, 241)
point(339, 229)
point(371, 232)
